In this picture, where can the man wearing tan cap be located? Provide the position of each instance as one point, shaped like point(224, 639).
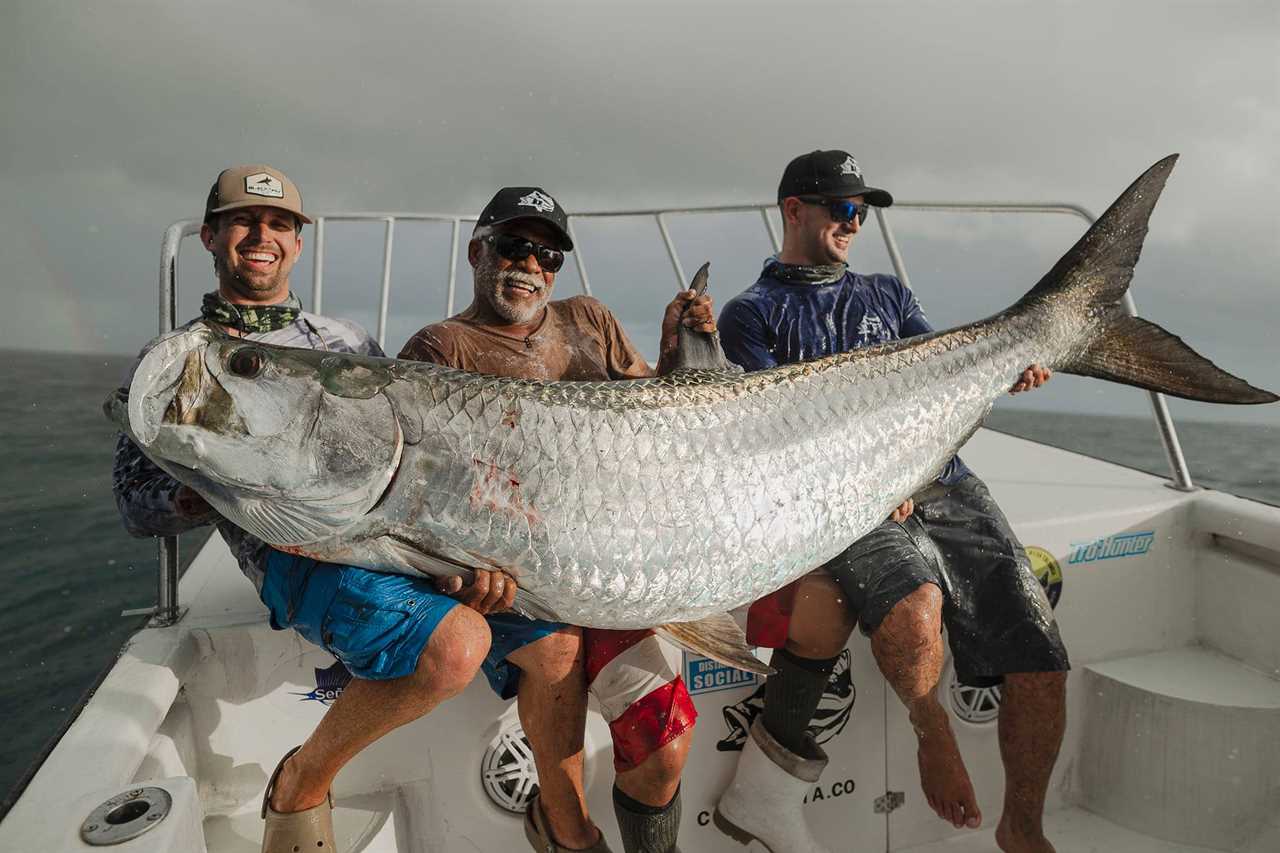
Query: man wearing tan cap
point(252, 227)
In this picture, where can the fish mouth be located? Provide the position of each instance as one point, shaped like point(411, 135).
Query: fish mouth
point(169, 385)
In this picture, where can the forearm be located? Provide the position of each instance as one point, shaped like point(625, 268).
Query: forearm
point(149, 500)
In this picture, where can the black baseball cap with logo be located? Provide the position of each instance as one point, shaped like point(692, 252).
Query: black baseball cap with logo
point(834, 174)
point(511, 203)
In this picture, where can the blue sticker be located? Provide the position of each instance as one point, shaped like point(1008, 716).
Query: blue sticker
point(704, 675)
point(1112, 547)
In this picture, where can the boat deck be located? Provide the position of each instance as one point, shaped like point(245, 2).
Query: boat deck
point(220, 696)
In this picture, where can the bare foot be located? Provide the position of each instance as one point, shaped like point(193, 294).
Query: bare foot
point(942, 773)
point(1012, 840)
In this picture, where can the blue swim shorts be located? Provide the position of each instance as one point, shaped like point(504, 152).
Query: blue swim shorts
point(376, 623)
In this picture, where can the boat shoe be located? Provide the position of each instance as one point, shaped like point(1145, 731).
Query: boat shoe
point(286, 832)
point(539, 834)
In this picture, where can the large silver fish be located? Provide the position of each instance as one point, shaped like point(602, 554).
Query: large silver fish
point(656, 502)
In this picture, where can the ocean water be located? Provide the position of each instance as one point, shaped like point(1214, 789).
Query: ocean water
point(68, 569)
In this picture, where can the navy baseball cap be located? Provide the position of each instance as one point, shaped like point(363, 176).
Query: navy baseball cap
point(834, 174)
point(511, 203)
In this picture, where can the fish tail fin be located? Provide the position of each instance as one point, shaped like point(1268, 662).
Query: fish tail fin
point(1137, 352)
point(1095, 274)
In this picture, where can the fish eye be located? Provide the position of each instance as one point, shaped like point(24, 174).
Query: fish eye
point(246, 362)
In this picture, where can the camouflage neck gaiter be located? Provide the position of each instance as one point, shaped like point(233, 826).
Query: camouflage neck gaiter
point(804, 274)
point(250, 318)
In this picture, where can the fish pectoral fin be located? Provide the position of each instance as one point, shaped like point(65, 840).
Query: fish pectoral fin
point(717, 637)
point(529, 605)
point(406, 555)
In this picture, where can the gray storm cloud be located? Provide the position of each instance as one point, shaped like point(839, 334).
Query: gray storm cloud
point(118, 117)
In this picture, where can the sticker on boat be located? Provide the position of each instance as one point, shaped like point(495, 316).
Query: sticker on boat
point(1047, 571)
point(1112, 547)
point(834, 709)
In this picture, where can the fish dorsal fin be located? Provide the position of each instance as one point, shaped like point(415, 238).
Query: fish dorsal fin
point(699, 350)
point(717, 637)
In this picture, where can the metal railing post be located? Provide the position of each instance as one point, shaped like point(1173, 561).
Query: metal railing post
point(891, 244)
point(453, 268)
point(773, 232)
point(681, 281)
point(385, 298)
point(578, 261)
point(317, 269)
point(166, 611)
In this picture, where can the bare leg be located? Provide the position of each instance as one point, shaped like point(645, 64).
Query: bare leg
point(819, 627)
point(1033, 716)
point(553, 711)
point(656, 780)
point(367, 710)
point(820, 619)
point(908, 648)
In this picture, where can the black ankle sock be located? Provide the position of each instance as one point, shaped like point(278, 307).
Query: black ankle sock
point(646, 828)
point(792, 694)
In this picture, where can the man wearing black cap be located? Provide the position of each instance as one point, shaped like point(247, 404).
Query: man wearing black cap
point(951, 546)
point(512, 328)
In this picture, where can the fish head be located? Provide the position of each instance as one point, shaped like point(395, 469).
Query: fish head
point(290, 444)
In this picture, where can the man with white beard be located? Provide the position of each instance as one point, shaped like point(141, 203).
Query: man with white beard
point(512, 328)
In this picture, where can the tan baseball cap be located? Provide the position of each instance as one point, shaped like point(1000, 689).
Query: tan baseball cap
point(250, 186)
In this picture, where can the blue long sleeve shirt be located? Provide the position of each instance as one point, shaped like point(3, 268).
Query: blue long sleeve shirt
point(772, 323)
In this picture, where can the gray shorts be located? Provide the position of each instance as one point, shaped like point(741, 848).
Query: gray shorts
point(997, 615)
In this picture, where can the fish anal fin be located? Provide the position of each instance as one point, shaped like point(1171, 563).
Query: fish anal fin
point(1137, 352)
point(717, 637)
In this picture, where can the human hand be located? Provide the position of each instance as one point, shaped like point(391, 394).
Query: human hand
point(902, 512)
point(693, 312)
point(488, 592)
point(1033, 377)
point(189, 503)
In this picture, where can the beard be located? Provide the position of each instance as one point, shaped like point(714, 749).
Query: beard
point(489, 285)
point(246, 285)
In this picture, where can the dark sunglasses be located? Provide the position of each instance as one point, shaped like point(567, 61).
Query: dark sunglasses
point(515, 248)
point(841, 210)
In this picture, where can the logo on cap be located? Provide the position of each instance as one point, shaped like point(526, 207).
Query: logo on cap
point(264, 185)
point(850, 167)
point(538, 201)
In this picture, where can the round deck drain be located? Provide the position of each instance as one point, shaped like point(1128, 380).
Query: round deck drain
point(126, 816)
point(507, 771)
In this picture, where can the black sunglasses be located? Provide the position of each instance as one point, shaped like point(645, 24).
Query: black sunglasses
point(841, 210)
point(515, 248)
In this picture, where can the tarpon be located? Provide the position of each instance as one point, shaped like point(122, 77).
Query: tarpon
point(653, 502)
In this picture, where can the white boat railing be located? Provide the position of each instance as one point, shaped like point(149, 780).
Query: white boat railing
point(168, 611)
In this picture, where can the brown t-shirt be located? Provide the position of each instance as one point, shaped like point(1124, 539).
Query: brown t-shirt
point(579, 339)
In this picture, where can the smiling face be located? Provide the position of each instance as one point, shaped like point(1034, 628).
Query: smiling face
point(812, 237)
point(514, 292)
point(254, 250)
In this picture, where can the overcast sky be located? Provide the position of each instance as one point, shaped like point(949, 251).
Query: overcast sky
point(117, 117)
